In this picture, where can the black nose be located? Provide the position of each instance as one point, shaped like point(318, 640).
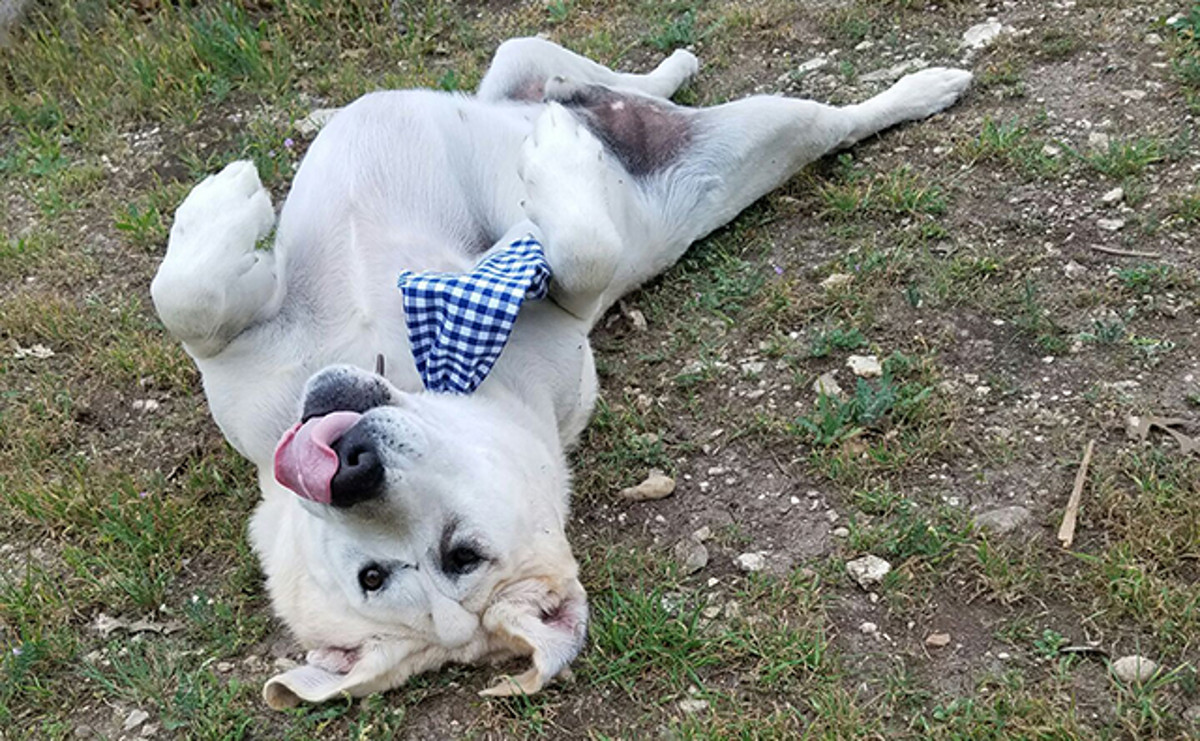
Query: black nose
point(360, 471)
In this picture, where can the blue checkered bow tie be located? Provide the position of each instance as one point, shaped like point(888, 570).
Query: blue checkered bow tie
point(458, 323)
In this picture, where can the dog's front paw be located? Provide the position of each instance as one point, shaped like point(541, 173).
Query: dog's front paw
point(932, 90)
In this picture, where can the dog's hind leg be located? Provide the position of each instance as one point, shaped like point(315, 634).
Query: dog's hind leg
point(214, 282)
point(703, 167)
point(521, 67)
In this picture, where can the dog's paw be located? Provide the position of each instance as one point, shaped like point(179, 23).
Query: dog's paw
point(931, 90)
point(562, 165)
point(230, 210)
point(682, 65)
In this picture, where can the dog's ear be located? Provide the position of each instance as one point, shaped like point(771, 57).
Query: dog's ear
point(545, 617)
point(378, 669)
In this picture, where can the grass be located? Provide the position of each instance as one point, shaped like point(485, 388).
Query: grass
point(112, 111)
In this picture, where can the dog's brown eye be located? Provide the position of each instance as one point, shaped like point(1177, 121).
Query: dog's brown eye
point(371, 578)
point(461, 560)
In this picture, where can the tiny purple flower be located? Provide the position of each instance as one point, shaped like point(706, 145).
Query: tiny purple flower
point(143, 494)
point(17, 651)
point(289, 143)
point(778, 269)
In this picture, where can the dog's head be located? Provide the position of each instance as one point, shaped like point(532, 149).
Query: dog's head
point(419, 529)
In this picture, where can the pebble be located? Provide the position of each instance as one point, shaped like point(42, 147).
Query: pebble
point(1110, 225)
point(1003, 520)
point(868, 629)
point(145, 405)
point(865, 366)
point(315, 121)
point(812, 64)
point(691, 555)
point(1074, 270)
point(751, 562)
point(753, 368)
point(1051, 151)
point(656, 486)
point(224, 667)
point(868, 570)
point(937, 640)
point(895, 72)
point(637, 320)
point(702, 534)
point(1113, 196)
point(692, 705)
point(135, 719)
point(981, 34)
point(1098, 140)
point(841, 532)
point(837, 280)
point(1130, 669)
point(827, 384)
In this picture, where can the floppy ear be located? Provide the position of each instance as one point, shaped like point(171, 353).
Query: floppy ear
point(377, 669)
point(542, 616)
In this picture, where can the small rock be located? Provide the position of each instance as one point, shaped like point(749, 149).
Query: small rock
point(1074, 270)
point(865, 366)
point(1130, 669)
point(1051, 151)
point(981, 34)
point(145, 405)
point(753, 368)
point(315, 121)
point(937, 640)
point(1003, 520)
point(750, 562)
point(711, 613)
point(894, 72)
point(864, 45)
point(827, 384)
point(868, 570)
point(1098, 140)
point(1152, 39)
point(692, 705)
point(1134, 94)
point(841, 532)
point(812, 64)
point(1113, 196)
point(148, 730)
point(691, 555)
point(1111, 225)
point(284, 664)
point(224, 667)
point(837, 280)
point(702, 534)
point(637, 319)
point(868, 629)
point(135, 719)
point(656, 486)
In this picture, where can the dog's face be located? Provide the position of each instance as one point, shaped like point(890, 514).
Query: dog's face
point(419, 529)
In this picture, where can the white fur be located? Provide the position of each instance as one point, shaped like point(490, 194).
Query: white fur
point(421, 180)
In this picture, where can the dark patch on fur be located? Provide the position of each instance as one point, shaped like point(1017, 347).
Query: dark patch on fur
point(337, 390)
point(528, 91)
point(644, 134)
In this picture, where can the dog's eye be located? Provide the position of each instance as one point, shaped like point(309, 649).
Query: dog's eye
point(461, 560)
point(372, 578)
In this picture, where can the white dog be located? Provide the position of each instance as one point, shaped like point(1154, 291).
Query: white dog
point(429, 527)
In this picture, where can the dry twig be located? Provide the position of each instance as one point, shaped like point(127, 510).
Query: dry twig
point(1066, 531)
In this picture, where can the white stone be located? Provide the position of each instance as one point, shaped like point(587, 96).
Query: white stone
point(837, 280)
point(656, 486)
point(1111, 225)
point(1113, 196)
point(981, 34)
point(1074, 270)
point(895, 72)
point(1130, 669)
point(750, 562)
point(812, 64)
point(868, 570)
point(135, 719)
point(691, 555)
point(868, 629)
point(827, 384)
point(841, 532)
point(1098, 140)
point(315, 121)
point(692, 705)
point(1134, 94)
point(1003, 520)
point(753, 368)
point(865, 366)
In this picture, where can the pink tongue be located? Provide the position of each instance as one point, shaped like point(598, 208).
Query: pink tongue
point(304, 460)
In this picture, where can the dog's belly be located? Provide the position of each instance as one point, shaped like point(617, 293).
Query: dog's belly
point(412, 180)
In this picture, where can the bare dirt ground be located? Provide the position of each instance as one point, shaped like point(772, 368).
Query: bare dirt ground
point(1023, 267)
